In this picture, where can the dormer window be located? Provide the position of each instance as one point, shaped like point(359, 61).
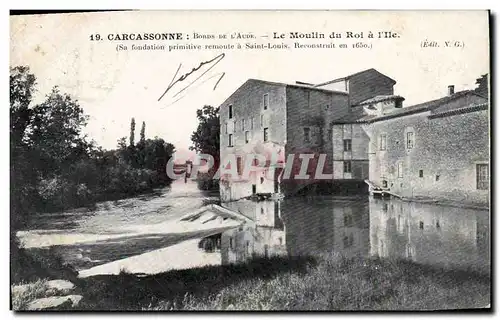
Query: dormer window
point(399, 104)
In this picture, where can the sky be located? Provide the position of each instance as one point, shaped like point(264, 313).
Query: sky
point(114, 86)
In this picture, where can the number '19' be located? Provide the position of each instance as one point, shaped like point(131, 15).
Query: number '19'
point(94, 37)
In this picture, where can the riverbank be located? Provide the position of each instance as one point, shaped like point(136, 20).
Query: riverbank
point(330, 282)
point(337, 283)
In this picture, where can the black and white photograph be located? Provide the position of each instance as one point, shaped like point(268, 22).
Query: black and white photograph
point(246, 160)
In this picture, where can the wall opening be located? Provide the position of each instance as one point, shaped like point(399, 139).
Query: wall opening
point(482, 176)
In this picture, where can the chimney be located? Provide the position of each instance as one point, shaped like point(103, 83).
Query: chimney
point(451, 90)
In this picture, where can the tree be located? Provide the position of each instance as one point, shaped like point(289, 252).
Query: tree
point(22, 175)
point(132, 132)
point(206, 137)
point(206, 140)
point(55, 133)
point(122, 143)
point(22, 87)
point(46, 145)
point(143, 132)
point(54, 167)
point(482, 87)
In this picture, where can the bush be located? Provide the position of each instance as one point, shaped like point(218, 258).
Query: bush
point(32, 265)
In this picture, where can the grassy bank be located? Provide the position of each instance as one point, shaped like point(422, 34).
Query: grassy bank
point(32, 291)
point(328, 283)
point(343, 284)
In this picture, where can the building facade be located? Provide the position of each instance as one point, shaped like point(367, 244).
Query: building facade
point(439, 149)
point(276, 120)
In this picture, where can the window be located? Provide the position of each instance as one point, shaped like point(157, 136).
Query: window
point(330, 134)
point(247, 136)
point(400, 169)
point(348, 240)
point(251, 123)
point(239, 165)
point(266, 134)
point(230, 111)
point(347, 220)
point(231, 243)
point(261, 120)
point(399, 104)
point(421, 173)
point(347, 144)
point(242, 124)
point(421, 225)
point(437, 177)
point(226, 127)
point(347, 166)
point(266, 101)
point(410, 251)
point(482, 176)
point(230, 140)
point(307, 134)
point(410, 140)
point(383, 142)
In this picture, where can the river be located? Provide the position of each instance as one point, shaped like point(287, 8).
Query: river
point(144, 234)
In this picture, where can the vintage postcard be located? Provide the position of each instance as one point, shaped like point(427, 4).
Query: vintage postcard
point(250, 160)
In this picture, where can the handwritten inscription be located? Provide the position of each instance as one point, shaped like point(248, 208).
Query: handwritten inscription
point(209, 63)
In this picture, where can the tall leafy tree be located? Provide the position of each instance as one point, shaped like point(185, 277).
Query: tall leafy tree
point(22, 175)
point(22, 87)
point(206, 140)
point(132, 132)
point(206, 137)
point(55, 133)
point(143, 132)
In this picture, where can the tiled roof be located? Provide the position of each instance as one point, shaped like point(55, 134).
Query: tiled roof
point(363, 73)
point(377, 99)
point(302, 86)
point(470, 108)
point(358, 116)
point(307, 87)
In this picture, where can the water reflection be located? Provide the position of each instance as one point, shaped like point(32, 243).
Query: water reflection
point(323, 225)
point(266, 237)
point(430, 234)
point(426, 233)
